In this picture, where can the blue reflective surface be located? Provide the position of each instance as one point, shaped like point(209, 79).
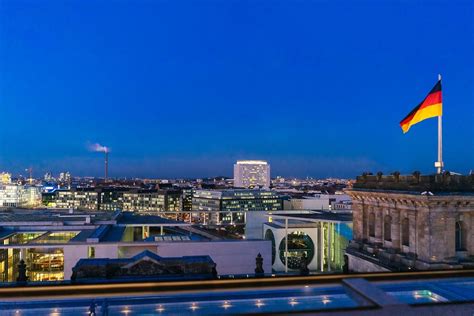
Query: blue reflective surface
point(431, 291)
point(226, 302)
point(301, 298)
point(418, 297)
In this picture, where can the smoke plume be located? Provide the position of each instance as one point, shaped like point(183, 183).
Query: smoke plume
point(98, 148)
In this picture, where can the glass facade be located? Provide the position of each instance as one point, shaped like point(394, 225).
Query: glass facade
point(81, 199)
point(299, 244)
point(45, 264)
point(335, 238)
point(117, 199)
point(231, 205)
point(56, 237)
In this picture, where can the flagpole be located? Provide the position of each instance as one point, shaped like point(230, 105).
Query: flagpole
point(439, 164)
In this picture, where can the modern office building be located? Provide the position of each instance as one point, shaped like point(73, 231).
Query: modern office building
point(16, 195)
point(251, 174)
point(5, 178)
point(64, 177)
point(220, 207)
point(320, 202)
point(111, 199)
point(319, 237)
point(412, 222)
point(187, 199)
point(79, 198)
point(51, 242)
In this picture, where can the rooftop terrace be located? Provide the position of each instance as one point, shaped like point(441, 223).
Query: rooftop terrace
point(422, 293)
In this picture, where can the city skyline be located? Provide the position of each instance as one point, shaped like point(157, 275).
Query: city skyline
point(187, 92)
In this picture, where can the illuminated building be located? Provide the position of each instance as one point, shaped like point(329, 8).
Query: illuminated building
point(140, 200)
point(64, 177)
point(111, 199)
point(187, 199)
point(319, 202)
point(5, 178)
point(48, 177)
point(80, 198)
point(321, 237)
point(15, 195)
point(51, 242)
point(230, 206)
point(251, 174)
point(412, 222)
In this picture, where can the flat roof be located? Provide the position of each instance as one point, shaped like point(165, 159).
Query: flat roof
point(252, 162)
point(317, 216)
point(30, 216)
point(134, 219)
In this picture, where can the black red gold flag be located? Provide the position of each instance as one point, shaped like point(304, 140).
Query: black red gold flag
point(431, 106)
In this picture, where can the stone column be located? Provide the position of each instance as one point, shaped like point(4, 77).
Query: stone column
point(470, 232)
point(423, 234)
point(365, 223)
point(396, 225)
point(446, 228)
point(412, 230)
point(378, 225)
point(357, 219)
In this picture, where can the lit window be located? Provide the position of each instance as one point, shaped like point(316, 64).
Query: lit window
point(91, 252)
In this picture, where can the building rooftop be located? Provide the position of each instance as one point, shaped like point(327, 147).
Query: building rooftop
point(316, 216)
point(437, 183)
point(30, 227)
point(134, 219)
point(43, 216)
point(252, 162)
point(236, 194)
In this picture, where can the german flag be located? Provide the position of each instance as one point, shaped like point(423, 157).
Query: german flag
point(431, 106)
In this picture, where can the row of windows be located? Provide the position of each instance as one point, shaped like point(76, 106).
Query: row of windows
point(460, 235)
point(387, 229)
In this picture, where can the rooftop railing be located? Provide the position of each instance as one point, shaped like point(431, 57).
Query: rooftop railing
point(445, 182)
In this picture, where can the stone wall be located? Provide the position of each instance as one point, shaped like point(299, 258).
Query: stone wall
point(432, 223)
point(361, 265)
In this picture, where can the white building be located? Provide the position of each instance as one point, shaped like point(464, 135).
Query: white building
point(51, 242)
point(321, 237)
point(14, 195)
point(251, 173)
point(320, 202)
point(64, 177)
point(5, 178)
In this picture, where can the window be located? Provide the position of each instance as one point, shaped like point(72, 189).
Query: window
point(460, 237)
point(372, 225)
point(91, 252)
point(387, 228)
point(299, 243)
point(405, 232)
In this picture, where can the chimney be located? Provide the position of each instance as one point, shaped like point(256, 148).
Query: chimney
point(106, 165)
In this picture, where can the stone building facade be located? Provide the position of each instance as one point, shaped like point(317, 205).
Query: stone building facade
point(412, 222)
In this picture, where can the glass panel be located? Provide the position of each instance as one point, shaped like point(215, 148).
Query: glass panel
point(45, 264)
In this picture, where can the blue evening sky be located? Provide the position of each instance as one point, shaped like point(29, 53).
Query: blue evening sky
point(184, 88)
